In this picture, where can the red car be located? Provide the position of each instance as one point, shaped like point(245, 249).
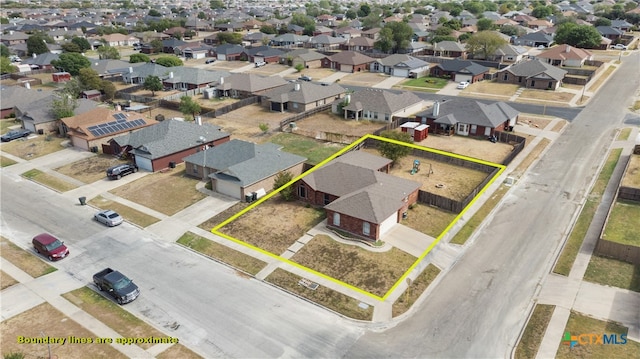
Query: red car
point(50, 246)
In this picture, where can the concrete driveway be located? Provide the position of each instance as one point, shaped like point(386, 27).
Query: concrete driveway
point(408, 240)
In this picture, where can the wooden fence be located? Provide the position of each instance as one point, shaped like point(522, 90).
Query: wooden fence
point(507, 137)
point(234, 106)
point(326, 136)
point(297, 117)
point(623, 252)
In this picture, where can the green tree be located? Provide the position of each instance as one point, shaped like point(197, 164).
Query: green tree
point(281, 179)
point(371, 21)
point(108, 90)
point(6, 67)
point(4, 20)
point(4, 51)
point(89, 79)
point(351, 14)
point(188, 106)
point(108, 52)
point(72, 88)
point(63, 105)
point(474, 7)
point(582, 36)
point(70, 47)
point(230, 37)
point(511, 30)
point(154, 13)
point(268, 29)
point(396, 35)
point(135, 58)
point(36, 44)
point(542, 12)
point(156, 45)
point(299, 67)
point(364, 10)
point(602, 21)
point(485, 24)
point(71, 62)
point(188, 33)
point(394, 151)
point(168, 61)
point(484, 43)
point(216, 4)
point(153, 84)
point(82, 43)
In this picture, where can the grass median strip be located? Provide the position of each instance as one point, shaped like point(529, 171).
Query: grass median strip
point(534, 332)
point(573, 244)
point(131, 215)
point(413, 292)
point(6, 161)
point(324, 296)
point(223, 253)
point(48, 180)
point(112, 315)
point(6, 280)
point(28, 262)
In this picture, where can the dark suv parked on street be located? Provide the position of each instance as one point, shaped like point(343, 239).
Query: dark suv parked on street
point(116, 172)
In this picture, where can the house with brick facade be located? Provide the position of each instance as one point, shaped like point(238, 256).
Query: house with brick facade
point(243, 85)
point(460, 70)
point(238, 168)
point(378, 105)
point(348, 61)
point(156, 147)
point(468, 117)
point(565, 55)
point(532, 73)
point(301, 96)
point(358, 195)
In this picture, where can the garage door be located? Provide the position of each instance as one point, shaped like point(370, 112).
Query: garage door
point(144, 163)
point(346, 68)
point(28, 125)
point(222, 57)
point(460, 78)
point(228, 188)
point(387, 224)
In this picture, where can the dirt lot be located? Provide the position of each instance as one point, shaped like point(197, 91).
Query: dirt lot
point(243, 123)
point(329, 122)
point(316, 74)
point(470, 147)
point(48, 320)
point(256, 226)
point(34, 146)
point(362, 79)
point(632, 176)
point(268, 70)
point(228, 65)
point(91, 169)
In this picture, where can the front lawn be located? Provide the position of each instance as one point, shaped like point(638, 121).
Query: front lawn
point(28, 261)
point(129, 214)
point(314, 151)
point(613, 272)
point(91, 169)
point(28, 148)
point(618, 229)
point(48, 180)
point(426, 82)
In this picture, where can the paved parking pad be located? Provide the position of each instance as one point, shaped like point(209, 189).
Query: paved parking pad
point(409, 240)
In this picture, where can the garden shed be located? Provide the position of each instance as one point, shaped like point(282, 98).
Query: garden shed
point(417, 130)
point(59, 77)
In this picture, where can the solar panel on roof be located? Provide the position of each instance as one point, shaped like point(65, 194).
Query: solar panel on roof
point(91, 128)
point(119, 127)
point(94, 132)
point(122, 120)
point(112, 123)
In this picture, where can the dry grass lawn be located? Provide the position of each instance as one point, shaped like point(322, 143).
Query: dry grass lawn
point(244, 122)
point(227, 65)
point(417, 287)
point(324, 296)
point(34, 146)
point(458, 181)
point(167, 193)
point(178, 351)
point(258, 227)
point(492, 88)
point(6, 280)
point(544, 95)
point(28, 261)
point(223, 216)
point(332, 123)
point(602, 79)
point(129, 214)
point(90, 169)
point(316, 74)
point(112, 315)
point(374, 272)
point(534, 121)
point(269, 69)
point(534, 332)
point(470, 147)
point(632, 176)
point(48, 180)
point(365, 79)
point(427, 219)
point(46, 319)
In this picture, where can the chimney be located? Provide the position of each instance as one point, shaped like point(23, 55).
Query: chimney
point(10, 32)
point(27, 86)
point(221, 80)
point(34, 55)
point(198, 120)
point(436, 109)
point(130, 69)
point(171, 74)
point(347, 98)
point(296, 87)
point(568, 49)
point(118, 108)
point(65, 29)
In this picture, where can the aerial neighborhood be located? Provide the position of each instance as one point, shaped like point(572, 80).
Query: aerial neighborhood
point(348, 154)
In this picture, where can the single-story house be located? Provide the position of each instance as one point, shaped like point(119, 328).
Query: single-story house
point(118, 39)
point(228, 52)
point(310, 59)
point(17, 96)
point(359, 43)
point(460, 70)
point(357, 194)
point(36, 115)
point(348, 61)
point(400, 65)
point(449, 49)
point(610, 32)
point(565, 55)
point(166, 143)
point(262, 53)
point(238, 168)
point(534, 39)
point(95, 95)
point(94, 128)
point(289, 40)
point(42, 61)
point(378, 105)
point(189, 78)
point(243, 85)
point(170, 45)
point(468, 117)
point(325, 42)
point(301, 96)
point(532, 73)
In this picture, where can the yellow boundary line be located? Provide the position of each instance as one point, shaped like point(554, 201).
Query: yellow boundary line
point(215, 230)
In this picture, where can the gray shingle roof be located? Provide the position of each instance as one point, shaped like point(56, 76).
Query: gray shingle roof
point(38, 110)
point(14, 96)
point(536, 68)
point(250, 82)
point(471, 112)
point(168, 137)
point(463, 66)
point(351, 58)
point(382, 101)
point(307, 93)
point(245, 162)
point(402, 60)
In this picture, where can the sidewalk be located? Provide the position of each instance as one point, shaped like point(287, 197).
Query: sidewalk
point(573, 293)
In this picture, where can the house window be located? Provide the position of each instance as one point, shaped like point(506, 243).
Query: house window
point(375, 115)
point(474, 128)
point(325, 199)
point(519, 78)
point(336, 219)
point(295, 105)
point(386, 117)
point(302, 191)
point(506, 77)
point(550, 84)
point(366, 228)
point(533, 83)
point(195, 170)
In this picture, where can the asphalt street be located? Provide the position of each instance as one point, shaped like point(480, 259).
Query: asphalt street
point(480, 306)
point(216, 311)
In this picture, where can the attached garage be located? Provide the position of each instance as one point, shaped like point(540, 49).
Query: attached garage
point(144, 163)
point(463, 77)
point(228, 186)
point(346, 68)
point(387, 224)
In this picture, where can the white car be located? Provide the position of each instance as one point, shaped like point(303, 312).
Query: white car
point(260, 63)
point(619, 47)
point(108, 217)
point(463, 85)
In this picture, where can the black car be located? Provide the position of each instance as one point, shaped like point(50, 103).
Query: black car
point(304, 78)
point(116, 172)
point(15, 134)
point(210, 61)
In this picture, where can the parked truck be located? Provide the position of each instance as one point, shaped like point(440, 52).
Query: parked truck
point(117, 285)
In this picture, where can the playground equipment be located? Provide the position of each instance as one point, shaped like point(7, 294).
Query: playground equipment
point(416, 167)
